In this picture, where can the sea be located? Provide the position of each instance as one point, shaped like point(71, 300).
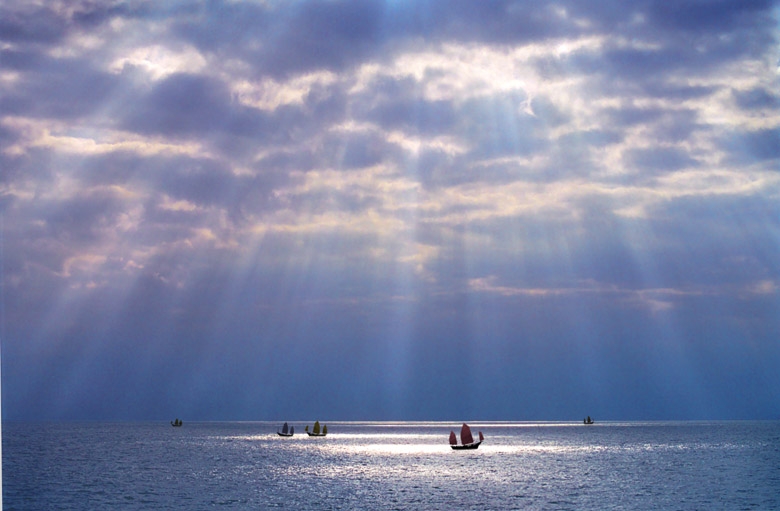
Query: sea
point(391, 465)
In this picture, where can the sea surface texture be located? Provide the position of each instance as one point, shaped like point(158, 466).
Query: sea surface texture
point(528, 466)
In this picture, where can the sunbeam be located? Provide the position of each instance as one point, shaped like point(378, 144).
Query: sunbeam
point(389, 210)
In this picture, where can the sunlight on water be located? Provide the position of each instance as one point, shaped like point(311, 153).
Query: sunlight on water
point(396, 449)
point(398, 466)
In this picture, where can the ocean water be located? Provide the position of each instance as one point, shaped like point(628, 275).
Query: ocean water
point(367, 465)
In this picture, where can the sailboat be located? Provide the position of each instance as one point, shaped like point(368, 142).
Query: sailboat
point(286, 431)
point(316, 430)
point(176, 423)
point(466, 439)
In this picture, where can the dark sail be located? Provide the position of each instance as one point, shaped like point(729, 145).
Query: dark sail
point(453, 439)
point(465, 435)
point(284, 429)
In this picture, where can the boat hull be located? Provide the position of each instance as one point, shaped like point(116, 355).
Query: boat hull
point(466, 446)
point(284, 434)
point(316, 434)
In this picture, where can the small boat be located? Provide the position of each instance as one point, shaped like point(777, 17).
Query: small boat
point(286, 431)
point(176, 423)
point(587, 420)
point(316, 430)
point(466, 439)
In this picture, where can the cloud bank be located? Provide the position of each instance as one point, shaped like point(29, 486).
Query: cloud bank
point(390, 210)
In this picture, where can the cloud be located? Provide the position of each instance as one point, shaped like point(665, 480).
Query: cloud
point(756, 99)
point(759, 145)
point(385, 179)
point(668, 159)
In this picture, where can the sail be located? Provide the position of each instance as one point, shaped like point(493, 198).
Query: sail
point(465, 435)
point(453, 440)
point(292, 429)
point(284, 429)
point(316, 430)
point(325, 429)
point(481, 437)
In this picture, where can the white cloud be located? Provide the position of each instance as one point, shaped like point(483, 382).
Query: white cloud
point(270, 94)
point(159, 61)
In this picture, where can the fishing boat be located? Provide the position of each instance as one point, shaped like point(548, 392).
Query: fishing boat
point(176, 423)
point(286, 430)
point(316, 430)
point(587, 420)
point(466, 439)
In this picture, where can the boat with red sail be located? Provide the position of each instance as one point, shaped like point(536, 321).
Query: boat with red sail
point(466, 439)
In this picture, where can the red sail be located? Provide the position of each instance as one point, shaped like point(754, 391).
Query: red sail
point(465, 435)
point(453, 440)
point(481, 438)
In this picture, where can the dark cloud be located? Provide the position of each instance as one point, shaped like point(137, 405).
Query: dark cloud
point(88, 15)
point(329, 35)
point(201, 108)
point(679, 124)
point(757, 99)
point(414, 115)
point(500, 22)
point(630, 116)
point(81, 219)
point(22, 60)
point(32, 25)
point(362, 151)
point(57, 88)
point(287, 40)
point(710, 17)
point(591, 138)
point(756, 145)
point(185, 104)
point(661, 159)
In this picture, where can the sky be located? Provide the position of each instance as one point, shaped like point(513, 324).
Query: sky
point(390, 210)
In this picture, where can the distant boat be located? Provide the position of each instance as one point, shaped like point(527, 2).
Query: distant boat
point(316, 431)
point(176, 423)
point(286, 431)
point(587, 420)
point(466, 439)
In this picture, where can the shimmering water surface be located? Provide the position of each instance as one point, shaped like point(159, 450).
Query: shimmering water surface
point(656, 465)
